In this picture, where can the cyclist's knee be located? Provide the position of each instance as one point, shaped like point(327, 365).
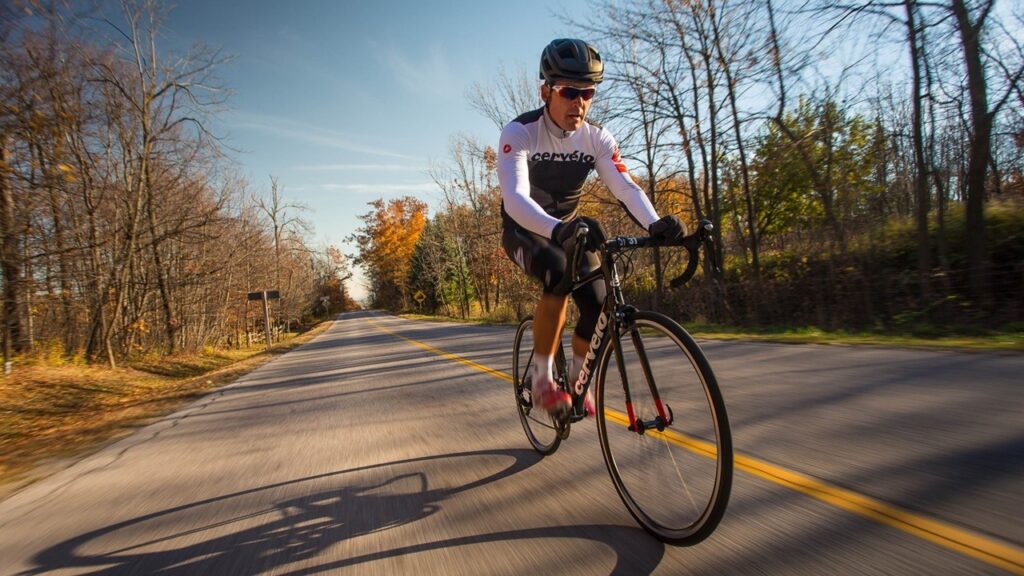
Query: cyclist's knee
point(589, 299)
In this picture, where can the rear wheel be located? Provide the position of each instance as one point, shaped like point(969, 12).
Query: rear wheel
point(543, 432)
point(673, 474)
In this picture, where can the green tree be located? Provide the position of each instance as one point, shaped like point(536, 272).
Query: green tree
point(816, 167)
point(440, 271)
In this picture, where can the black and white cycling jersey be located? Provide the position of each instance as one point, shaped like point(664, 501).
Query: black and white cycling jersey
point(542, 168)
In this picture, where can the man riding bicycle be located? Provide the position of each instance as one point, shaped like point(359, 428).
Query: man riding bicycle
point(544, 158)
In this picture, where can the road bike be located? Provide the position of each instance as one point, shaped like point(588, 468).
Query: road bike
point(660, 415)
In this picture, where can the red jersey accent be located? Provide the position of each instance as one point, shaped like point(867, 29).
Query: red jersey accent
point(618, 162)
point(507, 148)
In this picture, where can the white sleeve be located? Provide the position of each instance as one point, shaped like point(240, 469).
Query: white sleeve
point(514, 178)
point(615, 176)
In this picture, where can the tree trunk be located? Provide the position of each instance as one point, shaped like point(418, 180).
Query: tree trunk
point(716, 194)
point(171, 324)
point(920, 166)
point(70, 327)
point(979, 282)
point(744, 171)
point(11, 262)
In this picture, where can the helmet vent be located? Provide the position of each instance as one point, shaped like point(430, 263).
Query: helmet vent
point(571, 59)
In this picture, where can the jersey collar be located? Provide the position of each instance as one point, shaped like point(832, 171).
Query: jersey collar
point(554, 129)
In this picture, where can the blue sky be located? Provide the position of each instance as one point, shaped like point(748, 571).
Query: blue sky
point(346, 102)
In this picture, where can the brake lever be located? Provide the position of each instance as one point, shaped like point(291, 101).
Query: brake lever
point(583, 232)
point(692, 243)
point(708, 237)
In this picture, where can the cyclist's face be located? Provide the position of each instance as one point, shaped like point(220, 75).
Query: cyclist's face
point(568, 114)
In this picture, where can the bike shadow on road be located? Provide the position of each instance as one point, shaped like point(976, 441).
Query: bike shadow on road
point(268, 533)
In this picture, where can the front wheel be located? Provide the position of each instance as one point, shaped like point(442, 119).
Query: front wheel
point(672, 464)
point(543, 431)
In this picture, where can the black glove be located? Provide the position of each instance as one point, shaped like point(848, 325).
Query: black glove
point(669, 228)
point(564, 233)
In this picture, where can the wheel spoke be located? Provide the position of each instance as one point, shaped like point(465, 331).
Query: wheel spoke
point(542, 433)
point(674, 482)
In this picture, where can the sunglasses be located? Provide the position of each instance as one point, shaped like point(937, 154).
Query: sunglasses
point(570, 93)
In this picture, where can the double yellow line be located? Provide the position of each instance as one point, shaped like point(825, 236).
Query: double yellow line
point(996, 553)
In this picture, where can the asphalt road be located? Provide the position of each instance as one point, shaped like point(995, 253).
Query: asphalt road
point(368, 452)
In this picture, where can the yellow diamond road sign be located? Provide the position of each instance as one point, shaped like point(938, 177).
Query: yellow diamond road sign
point(419, 296)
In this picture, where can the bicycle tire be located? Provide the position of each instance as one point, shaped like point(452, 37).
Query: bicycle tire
point(544, 433)
point(679, 499)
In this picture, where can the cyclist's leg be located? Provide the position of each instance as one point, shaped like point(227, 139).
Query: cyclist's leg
point(544, 260)
point(580, 346)
point(589, 299)
point(548, 320)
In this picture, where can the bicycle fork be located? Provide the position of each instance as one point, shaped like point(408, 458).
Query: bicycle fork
point(665, 416)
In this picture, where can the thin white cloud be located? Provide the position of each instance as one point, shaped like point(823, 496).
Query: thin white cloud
point(384, 188)
point(360, 168)
point(429, 72)
point(311, 134)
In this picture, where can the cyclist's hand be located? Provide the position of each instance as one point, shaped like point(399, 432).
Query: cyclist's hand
point(669, 228)
point(564, 233)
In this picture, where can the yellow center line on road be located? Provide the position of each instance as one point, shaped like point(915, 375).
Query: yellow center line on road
point(989, 550)
point(442, 353)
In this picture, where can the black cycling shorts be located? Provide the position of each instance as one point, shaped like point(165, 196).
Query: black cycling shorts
point(545, 260)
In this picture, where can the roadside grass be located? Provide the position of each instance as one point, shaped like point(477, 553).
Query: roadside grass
point(480, 320)
point(49, 413)
point(1009, 339)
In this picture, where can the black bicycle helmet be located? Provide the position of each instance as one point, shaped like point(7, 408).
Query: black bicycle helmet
point(571, 59)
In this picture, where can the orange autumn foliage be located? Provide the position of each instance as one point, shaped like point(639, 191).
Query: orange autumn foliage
point(386, 242)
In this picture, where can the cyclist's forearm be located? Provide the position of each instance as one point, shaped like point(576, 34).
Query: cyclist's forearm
point(615, 176)
point(529, 214)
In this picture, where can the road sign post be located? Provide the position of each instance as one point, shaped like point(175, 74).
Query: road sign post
point(266, 296)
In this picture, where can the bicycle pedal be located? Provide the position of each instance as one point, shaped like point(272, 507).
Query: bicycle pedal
point(563, 427)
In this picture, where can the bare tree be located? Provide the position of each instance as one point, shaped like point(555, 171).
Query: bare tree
point(509, 95)
point(285, 221)
point(124, 214)
point(10, 257)
point(647, 131)
point(472, 213)
point(971, 21)
point(730, 60)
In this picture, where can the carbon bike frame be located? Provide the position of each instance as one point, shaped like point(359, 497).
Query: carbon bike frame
point(616, 317)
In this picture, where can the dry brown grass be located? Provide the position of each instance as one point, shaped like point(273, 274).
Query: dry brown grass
point(51, 413)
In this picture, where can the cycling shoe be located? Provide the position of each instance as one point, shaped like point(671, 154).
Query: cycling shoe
point(549, 397)
point(588, 404)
